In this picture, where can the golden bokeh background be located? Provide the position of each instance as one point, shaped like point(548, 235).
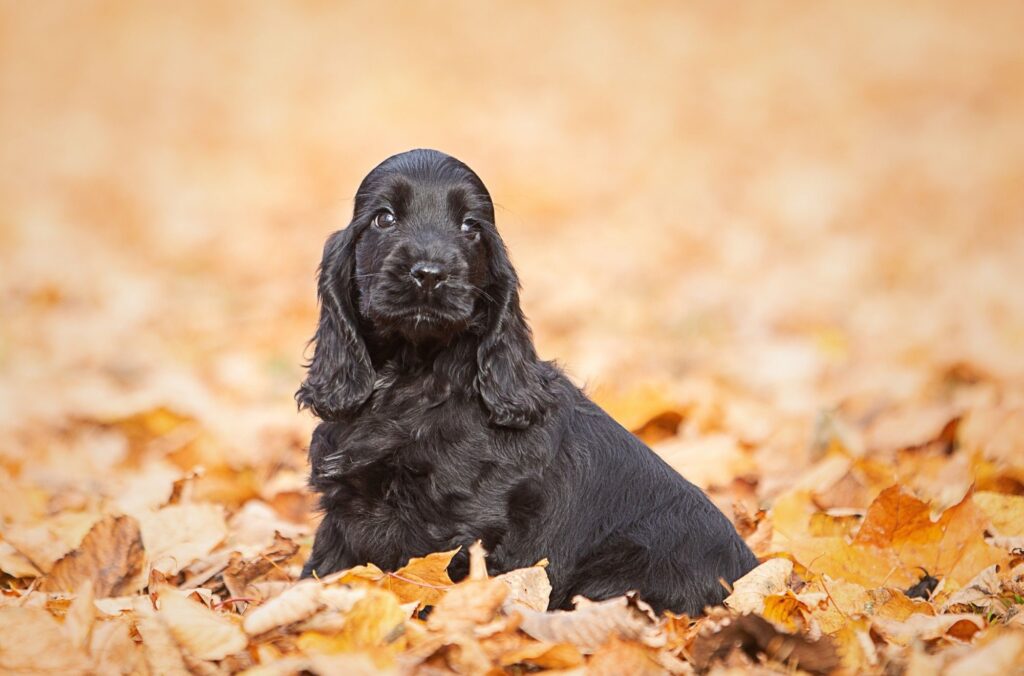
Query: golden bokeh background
point(810, 202)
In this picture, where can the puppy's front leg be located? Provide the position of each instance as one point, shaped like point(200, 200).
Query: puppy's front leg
point(331, 551)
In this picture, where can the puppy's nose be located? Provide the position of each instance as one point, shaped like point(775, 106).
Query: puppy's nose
point(428, 275)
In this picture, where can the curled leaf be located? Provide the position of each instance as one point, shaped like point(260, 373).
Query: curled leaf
point(292, 605)
point(204, 633)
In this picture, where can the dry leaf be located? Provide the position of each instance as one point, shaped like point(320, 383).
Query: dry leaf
point(46, 542)
point(468, 604)
point(240, 573)
point(618, 657)
point(375, 620)
point(205, 634)
point(163, 654)
point(1006, 512)
point(113, 651)
point(980, 594)
point(1002, 655)
point(423, 579)
point(927, 627)
point(32, 641)
point(293, 605)
point(754, 635)
point(591, 624)
point(543, 655)
point(177, 535)
point(16, 564)
point(749, 592)
point(78, 621)
point(110, 557)
point(529, 587)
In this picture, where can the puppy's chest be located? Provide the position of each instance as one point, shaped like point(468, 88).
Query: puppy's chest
point(405, 452)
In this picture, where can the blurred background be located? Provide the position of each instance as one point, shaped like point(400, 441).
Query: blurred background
point(742, 212)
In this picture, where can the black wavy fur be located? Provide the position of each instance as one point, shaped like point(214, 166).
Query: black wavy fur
point(441, 426)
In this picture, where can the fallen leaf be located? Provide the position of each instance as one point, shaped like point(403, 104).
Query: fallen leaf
point(1006, 512)
point(294, 604)
point(544, 656)
point(754, 636)
point(113, 651)
point(375, 620)
point(423, 579)
point(786, 611)
point(205, 634)
point(980, 594)
point(31, 641)
point(749, 592)
point(590, 625)
point(241, 572)
point(110, 557)
point(162, 652)
point(468, 604)
point(618, 657)
point(178, 535)
point(46, 542)
point(1002, 655)
point(16, 564)
point(80, 617)
point(528, 587)
point(961, 627)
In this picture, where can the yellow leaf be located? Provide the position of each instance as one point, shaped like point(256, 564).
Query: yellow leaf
point(785, 610)
point(1005, 511)
point(424, 579)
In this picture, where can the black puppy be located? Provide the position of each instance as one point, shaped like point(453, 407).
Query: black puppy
point(443, 427)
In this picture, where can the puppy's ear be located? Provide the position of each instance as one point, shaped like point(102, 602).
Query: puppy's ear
point(512, 382)
point(340, 376)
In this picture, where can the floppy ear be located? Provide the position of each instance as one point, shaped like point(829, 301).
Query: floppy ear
point(340, 376)
point(511, 380)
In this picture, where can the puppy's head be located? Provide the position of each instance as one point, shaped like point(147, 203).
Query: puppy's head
point(421, 262)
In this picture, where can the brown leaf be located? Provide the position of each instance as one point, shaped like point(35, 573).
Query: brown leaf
point(110, 557)
point(240, 572)
point(754, 635)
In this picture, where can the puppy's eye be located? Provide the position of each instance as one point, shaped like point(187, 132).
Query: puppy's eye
point(471, 229)
point(384, 220)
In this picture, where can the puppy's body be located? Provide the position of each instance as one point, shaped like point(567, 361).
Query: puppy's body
point(442, 427)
